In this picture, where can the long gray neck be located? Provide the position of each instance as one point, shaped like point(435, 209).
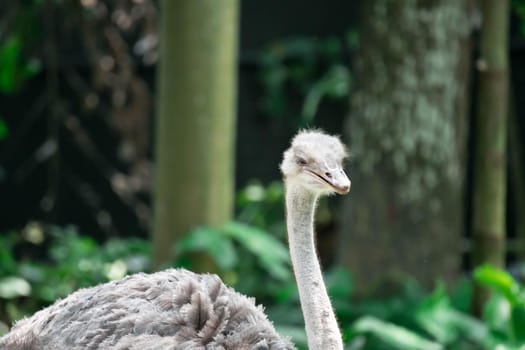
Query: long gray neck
point(321, 326)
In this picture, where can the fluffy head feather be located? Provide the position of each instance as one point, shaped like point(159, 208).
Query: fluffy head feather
point(314, 161)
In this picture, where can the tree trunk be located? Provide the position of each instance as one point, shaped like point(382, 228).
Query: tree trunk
point(404, 214)
point(488, 219)
point(195, 130)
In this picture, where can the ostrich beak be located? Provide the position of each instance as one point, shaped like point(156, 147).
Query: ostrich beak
point(336, 178)
point(340, 182)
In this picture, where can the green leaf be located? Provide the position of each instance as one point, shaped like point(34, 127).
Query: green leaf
point(297, 334)
point(448, 325)
point(335, 83)
point(496, 313)
point(211, 241)
point(352, 39)
point(393, 335)
point(518, 323)
point(339, 282)
point(3, 328)
point(9, 56)
point(68, 246)
point(31, 68)
point(270, 252)
point(32, 272)
point(12, 287)
point(3, 129)
point(432, 315)
point(7, 258)
point(501, 282)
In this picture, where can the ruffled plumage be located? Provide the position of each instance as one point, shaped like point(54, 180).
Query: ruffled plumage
point(171, 309)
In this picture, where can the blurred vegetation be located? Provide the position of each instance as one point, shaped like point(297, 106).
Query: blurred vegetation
point(42, 264)
point(17, 61)
point(306, 70)
point(518, 7)
point(87, 67)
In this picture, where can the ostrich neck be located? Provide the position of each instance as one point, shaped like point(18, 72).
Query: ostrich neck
point(321, 326)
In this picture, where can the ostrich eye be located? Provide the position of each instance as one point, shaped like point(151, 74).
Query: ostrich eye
point(301, 161)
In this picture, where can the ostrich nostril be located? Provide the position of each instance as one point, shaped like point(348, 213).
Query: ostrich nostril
point(345, 189)
point(328, 175)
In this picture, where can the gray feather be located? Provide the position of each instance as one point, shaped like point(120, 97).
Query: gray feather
point(173, 309)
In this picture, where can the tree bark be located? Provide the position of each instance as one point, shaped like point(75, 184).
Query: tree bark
point(196, 109)
point(404, 215)
point(488, 219)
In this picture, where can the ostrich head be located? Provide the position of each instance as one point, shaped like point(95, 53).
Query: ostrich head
point(314, 162)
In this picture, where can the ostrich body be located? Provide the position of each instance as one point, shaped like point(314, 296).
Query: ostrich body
point(173, 309)
point(177, 309)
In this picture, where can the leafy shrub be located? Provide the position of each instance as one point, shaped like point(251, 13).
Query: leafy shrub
point(505, 312)
point(256, 263)
point(307, 70)
point(438, 322)
point(40, 265)
point(74, 262)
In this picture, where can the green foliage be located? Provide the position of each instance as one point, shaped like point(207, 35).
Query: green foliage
point(4, 131)
point(256, 263)
point(505, 312)
point(307, 70)
point(437, 321)
point(17, 64)
point(501, 282)
point(9, 54)
point(74, 262)
point(263, 207)
point(14, 70)
point(335, 83)
point(518, 6)
point(213, 242)
point(227, 244)
point(395, 336)
point(271, 254)
point(12, 286)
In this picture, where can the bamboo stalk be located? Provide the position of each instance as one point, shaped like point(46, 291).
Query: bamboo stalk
point(488, 219)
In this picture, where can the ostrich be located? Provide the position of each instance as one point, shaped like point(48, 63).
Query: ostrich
point(178, 309)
